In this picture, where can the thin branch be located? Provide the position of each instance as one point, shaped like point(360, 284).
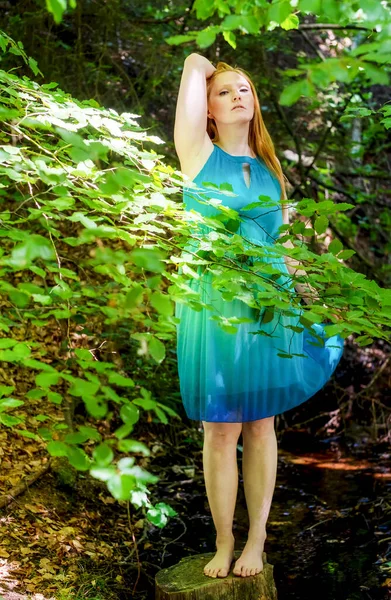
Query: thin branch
point(335, 26)
point(23, 486)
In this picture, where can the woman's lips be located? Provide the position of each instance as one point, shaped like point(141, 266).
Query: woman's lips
point(238, 107)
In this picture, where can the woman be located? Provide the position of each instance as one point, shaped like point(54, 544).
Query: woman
point(237, 383)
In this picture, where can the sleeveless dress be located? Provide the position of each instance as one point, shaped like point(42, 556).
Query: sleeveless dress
point(244, 376)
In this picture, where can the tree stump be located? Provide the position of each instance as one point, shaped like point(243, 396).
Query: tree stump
point(186, 581)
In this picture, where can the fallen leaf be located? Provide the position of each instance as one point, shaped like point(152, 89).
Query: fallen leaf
point(33, 508)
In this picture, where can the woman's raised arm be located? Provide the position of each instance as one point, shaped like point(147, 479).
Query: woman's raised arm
point(192, 108)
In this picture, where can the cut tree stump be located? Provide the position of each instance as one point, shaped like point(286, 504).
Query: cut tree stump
point(186, 581)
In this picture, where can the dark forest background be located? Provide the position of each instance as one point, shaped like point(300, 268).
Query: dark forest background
point(76, 523)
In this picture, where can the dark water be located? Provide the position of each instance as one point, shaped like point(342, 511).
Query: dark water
point(330, 513)
point(325, 526)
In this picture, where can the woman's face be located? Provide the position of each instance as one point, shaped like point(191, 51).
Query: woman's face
point(229, 90)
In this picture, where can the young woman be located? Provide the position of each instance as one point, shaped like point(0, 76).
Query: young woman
point(236, 383)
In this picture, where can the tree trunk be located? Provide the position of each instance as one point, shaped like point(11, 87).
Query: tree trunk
point(186, 581)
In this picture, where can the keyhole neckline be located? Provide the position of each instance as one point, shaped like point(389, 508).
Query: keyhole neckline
point(238, 159)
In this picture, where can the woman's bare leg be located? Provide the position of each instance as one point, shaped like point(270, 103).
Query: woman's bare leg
point(221, 481)
point(259, 479)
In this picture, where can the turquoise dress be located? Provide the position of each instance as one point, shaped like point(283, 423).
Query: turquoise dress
point(239, 377)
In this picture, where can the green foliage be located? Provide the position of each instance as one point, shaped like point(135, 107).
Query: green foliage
point(58, 7)
point(92, 233)
point(364, 64)
point(7, 44)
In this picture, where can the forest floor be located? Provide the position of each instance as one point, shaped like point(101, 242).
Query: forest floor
point(61, 541)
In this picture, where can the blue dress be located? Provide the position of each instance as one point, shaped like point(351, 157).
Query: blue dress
point(245, 376)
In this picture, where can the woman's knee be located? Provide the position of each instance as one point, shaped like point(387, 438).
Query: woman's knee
point(222, 433)
point(259, 428)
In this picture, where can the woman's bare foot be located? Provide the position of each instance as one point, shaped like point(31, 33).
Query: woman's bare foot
point(220, 564)
point(250, 561)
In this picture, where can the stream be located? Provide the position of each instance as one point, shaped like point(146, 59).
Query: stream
point(329, 525)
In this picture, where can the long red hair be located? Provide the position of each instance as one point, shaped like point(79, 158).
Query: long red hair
point(258, 138)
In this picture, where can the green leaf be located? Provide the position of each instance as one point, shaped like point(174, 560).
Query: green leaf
point(310, 6)
point(95, 406)
point(9, 403)
point(54, 397)
point(45, 380)
point(57, 448)
point(76, 438)
point(321, 224)
point(157, 349)
point(364, 340)
point(133, 446)
point(158, 515)
point(103, 455)
point(42, 418)
point(81, 388)
point(27, 434)
point(175, 40)
point(162, 303)
point(332, 10)
point(120, 485)
point(78, 458)
point(7, 343)
point(129, 413)
point(91, 432)
point(37, 364)
point(33, 65)
point(230, 38)
point(146, 402)
point(161, 415)
point(124, 430)
point(291, 22)
point(134, 297)
point(279, 11)
point(335, 246)
point(345, 254)
point(9, 420)
point(126, 464)
point(19, 299)
point(3, 43)
point(57, 9)
point(293, 92)
point(35, 246)
point(103, 473)
point(206, 38)
point(151, 260)
point(20, 353)
point(6, 389)
point(120, 380)
point(45, 433)
point(268, 315)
